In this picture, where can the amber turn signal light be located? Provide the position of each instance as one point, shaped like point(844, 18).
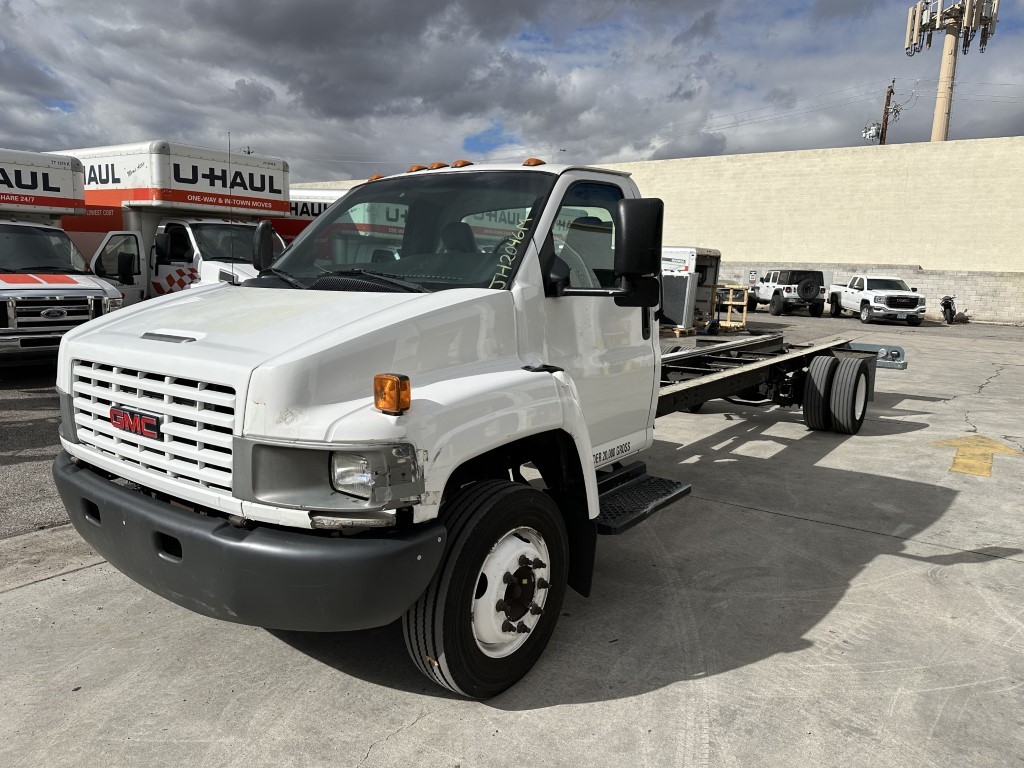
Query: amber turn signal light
point(392, 393)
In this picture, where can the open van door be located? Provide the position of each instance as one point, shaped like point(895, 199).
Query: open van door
point(118, 260)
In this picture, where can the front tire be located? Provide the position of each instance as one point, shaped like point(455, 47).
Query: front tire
point(751, 303)
point(835, 308)
point(913, 322)
point(817, 309)
point(491, 608)
point(776, 305)
point(948, 314)
point(865, 314)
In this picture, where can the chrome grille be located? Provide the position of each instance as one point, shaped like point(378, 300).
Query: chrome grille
point(901, 302)
point(197, 418)
point(52, 314)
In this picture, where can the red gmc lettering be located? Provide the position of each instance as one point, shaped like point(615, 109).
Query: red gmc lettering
point(136, 423)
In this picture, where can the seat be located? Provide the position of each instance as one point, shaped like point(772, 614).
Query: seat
point(457, 237)
point(588, 252)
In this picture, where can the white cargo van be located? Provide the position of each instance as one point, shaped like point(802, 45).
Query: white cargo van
point(45, 290)
point(189, 212)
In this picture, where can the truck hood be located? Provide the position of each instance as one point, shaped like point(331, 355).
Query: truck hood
point(47, 283)
point(289, 353)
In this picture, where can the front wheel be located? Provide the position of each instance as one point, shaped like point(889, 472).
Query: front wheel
point(817, 309)
point(776, 305)
point(751, 303)
point(913, 322)
point(835, 309)
point(492, 606)
point(948, 314)
point(865, 313)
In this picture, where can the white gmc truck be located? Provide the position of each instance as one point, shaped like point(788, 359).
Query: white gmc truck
point(877, 297)
point(436, 435)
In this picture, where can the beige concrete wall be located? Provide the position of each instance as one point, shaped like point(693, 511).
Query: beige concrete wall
point(953, 205)
point(996, 297)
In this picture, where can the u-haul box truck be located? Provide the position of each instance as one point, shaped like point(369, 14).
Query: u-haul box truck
point(191, 212)
point(45, 290)
point(304, 206)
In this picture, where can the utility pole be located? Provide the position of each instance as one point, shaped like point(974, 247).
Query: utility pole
point(961, 21)
point(885, 112)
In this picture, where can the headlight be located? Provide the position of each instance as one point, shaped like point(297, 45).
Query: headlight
point(878, 299)
point(351, 474)
point(920, 301)
point(109, 305)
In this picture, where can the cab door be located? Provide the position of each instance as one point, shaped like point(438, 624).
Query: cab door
point(610, 352)
point(118, 247)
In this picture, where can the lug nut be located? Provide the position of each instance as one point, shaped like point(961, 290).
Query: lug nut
point(521, 628)
point(524, 561)
point(508, 578)
point(542, 584)
point(508, 626)
point(501, 606)
point(535, 609)
point(538, 563)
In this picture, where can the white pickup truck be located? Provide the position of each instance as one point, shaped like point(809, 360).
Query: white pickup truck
point(877, 297)
point(344, 441)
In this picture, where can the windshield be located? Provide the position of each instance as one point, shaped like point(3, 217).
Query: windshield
point(887, 284)
point(25, 248)
point(437, 231)
point(228, 242)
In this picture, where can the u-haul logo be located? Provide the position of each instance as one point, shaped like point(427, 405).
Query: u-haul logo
point(308, 210)
point(217, 178)
point(136, 422)
point(30, 181)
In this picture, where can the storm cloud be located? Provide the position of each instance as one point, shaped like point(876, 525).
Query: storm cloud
point(345, 89)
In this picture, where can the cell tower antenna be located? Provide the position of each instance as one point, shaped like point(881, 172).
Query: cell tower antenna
point(962, 22)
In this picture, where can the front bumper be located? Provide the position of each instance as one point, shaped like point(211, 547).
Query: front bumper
point(888, 313)
point(266, 576)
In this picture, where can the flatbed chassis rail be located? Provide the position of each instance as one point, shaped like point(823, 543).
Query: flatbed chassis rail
point(765, 363)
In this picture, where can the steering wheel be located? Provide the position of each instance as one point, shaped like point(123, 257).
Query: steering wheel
point(501, 243)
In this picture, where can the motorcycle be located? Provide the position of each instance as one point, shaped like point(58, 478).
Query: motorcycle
point(948, 304)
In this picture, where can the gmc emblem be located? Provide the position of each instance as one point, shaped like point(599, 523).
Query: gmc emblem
point(136, 422)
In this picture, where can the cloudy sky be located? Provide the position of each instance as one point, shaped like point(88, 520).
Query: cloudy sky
point(346, 88)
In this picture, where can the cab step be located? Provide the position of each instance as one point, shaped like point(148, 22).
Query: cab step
point(628, 496)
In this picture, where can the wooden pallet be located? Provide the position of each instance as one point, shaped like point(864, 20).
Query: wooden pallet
point(677, 331)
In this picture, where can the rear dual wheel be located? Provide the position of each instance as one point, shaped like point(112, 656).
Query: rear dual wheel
point(492, 606)
point(836, 394)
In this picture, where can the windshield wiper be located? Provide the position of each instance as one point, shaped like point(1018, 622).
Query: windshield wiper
point(286, 276)
point(390, 279)
point(49, 270)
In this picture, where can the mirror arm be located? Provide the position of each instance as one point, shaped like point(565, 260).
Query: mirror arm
point(593, 292)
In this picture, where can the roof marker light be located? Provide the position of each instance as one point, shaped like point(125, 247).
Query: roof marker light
point(461, 163)
point(532, 161)
point(435, 166)
point(376, 176)
point(414, 168)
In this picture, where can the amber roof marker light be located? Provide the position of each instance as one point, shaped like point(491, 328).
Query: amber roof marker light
point(531, 161)
point(376, 176)
point(436, 166)
point(414, 168)
point(461, 163)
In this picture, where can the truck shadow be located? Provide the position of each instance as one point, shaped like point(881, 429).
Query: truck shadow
point(742, 570)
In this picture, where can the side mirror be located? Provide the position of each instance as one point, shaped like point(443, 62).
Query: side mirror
point(263, 245)
point(914, 290)
point(127, 267)
point(161, 246)
point(638, 237)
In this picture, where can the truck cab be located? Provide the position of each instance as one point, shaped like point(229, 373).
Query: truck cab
point(346, 439)
point(45, 285)
point(188, 213)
